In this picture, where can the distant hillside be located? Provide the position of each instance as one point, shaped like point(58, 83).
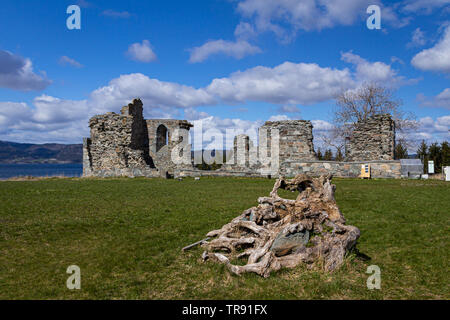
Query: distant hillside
point(11, 152)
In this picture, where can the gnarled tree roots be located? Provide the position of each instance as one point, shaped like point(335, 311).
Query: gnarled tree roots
point(284, 233)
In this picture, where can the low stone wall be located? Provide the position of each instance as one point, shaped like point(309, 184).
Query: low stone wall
point(379, 169)
point(124, 172)
point(180, 173)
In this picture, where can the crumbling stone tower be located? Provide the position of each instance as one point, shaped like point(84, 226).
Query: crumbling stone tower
point(373, 139)
point(128, 145)
point(296, 139)
point(118, 144)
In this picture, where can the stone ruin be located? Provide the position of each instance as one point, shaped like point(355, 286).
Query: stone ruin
point(126, 144)
point(283, 233)
point(295, 142)
point(373, 139)
point(162, 139)
point(296, 139)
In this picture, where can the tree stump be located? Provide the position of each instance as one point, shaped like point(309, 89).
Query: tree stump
point(282, 233)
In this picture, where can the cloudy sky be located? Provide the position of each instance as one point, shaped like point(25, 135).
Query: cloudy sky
point(231, 63)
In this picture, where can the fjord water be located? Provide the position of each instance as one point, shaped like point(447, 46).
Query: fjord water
point(40, 170)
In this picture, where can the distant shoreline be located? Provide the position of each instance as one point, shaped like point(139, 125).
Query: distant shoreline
point(44, 161)
point(49, 153)
point(39, 170)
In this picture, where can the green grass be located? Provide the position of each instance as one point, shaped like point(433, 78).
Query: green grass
point(126, 236)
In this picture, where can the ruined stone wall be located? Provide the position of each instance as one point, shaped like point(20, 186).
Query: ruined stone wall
point(118, 143)
point(163, 137)
point(127, 144)
point(182, 173)
point(373, 139)
point(87, 158)
point(243, 156)
point(378, 169)
point(296, 139)
point(295, 142)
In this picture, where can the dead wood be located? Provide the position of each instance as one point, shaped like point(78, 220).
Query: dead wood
point(194, 244)
point(282, 233)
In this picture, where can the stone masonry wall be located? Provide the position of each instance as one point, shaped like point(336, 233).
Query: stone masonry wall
point(87, 158)
point(162, 140)
point(127, 144)
point(241, 154)
point(296, 139)
point(373, 139)
point(378, 169)
point(118, 142)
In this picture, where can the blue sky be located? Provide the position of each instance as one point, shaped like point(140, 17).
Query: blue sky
point(234, 64)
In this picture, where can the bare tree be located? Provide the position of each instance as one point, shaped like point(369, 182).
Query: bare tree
point(362, 103)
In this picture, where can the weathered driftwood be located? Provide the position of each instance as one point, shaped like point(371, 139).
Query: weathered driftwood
point(194, 244)
point(284, 233)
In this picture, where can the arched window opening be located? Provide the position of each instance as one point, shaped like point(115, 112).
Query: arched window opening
point(162, 137)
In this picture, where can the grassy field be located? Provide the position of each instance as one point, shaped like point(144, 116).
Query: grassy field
point(126, 236)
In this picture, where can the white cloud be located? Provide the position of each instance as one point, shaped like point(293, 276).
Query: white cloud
point(65, 60)
point(192, 114)
point(279, 117)
point(321, 133)
point(442, 100)
point(378, 72)
point(206, 128)
point(432, 130)
point(237, 126)
point(237, 50)
point(38, 133)
point(154, 93)
point(418, 38)
point(12, 113)
point(49, 120)
point(244, 31)
point(287, 83)
point(141, 52)
point(286, 17)
point(49, 109)
point(424, 6)
point(301, 83)
point(321, 125)
point(17, 73)
point(301, 15)
point(436, 58)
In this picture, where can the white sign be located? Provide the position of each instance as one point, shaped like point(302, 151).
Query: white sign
point(430, 166)
point(447, 173)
